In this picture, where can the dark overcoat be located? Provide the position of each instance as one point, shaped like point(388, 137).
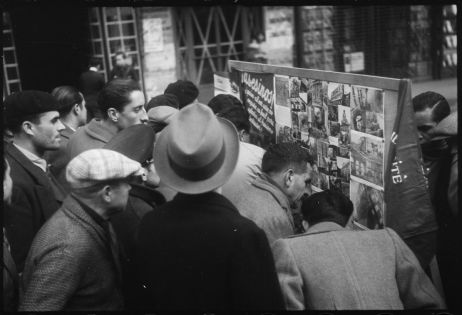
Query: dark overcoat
point(34, 200)
point(198, 252)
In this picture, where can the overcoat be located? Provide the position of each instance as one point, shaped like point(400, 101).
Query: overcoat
point(265, 204)
point(35, 198)
point(70, 265)
point(197, 252)
point(331, 268)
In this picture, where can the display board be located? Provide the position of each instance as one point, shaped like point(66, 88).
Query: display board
point(347, 122)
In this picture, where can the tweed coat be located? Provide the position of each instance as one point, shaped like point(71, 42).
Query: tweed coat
point(59, 158)
point(93, 135)
point(36, 196)
point(197, 252)
point(265, 204)
point(331, 268)
point(70, 265)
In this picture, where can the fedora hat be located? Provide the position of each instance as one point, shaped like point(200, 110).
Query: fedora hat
point(197, 152)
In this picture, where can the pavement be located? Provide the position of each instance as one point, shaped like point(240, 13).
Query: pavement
point(445, 87)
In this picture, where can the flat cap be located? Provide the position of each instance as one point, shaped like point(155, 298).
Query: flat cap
point(20, 105)
point(135, 142)
point(98, 165)
point(163, 100)
point(184, 90)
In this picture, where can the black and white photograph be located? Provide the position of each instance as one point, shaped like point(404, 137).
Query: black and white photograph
point(204, 156)
point(281, 90)
point(368, 205)
point(367, 157)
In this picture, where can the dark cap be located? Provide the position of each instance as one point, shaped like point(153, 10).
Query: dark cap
point(19, 106)
point(223, 102)
point(135, 142)
point(163, 100)
point(184, 90)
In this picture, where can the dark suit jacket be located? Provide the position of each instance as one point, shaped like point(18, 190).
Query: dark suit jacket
point(198, 252)
point(91, 82)
point(59, 158)
point(34, 200)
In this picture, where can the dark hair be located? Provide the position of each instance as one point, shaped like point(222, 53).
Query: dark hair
point(327, 205)
point(67, 96)
point(231, 108)
point(282, 155)
point(433, 100)
point(116, 94)
point(16, 126)
point(94, 62)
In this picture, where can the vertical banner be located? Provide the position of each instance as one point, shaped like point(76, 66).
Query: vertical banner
point(258, 98)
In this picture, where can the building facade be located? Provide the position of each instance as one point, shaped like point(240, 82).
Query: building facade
point(169, 43)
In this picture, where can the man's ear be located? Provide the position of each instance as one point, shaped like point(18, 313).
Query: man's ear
point(28, 127)
point(113, 114)
point(107, 193)
point(242, 133)
point(305, 225)
point(76, 109)
point(288, 177)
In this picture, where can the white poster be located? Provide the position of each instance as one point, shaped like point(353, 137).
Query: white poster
point(152, 34)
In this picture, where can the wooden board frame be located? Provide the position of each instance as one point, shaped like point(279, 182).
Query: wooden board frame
point(390, 86)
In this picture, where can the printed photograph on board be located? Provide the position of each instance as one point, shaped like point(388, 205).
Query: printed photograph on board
point(367, 157)
point(282, 90)
point(283, 133)
point(368, 204)
point(343, 166)
point(367, 110)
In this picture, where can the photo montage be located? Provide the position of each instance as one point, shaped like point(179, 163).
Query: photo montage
point(367, 156)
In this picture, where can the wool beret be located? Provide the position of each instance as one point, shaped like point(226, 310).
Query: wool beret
point(99, 165)
point(184, 90)
point(224, 102)
point(20, 105)
point(135, 142)
point(163, 100)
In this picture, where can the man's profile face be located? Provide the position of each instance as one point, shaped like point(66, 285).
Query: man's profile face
point(301, 184)
point(120, 193)
point(47, 131)
point(133, 113)
point(424, 122)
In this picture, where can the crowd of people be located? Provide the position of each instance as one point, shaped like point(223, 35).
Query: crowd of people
point(165, 205)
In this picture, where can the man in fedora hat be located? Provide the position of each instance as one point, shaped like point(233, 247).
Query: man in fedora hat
point(437, 128)
point(33, 118)
point(196, 251)
point(122, 105)
point(269, 200)
point(137, 143)
point(73, 263)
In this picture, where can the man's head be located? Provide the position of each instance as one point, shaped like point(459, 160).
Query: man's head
point(161, 109)
point(328, 205)
point(121, 101)
point(95, 63)
point(33, 117)
point(231, 108)
point(429, 108)
point(71, 103)
point(102, 177)
point(289, 165)
point(137, 143)
point(7, 183)
point(120, 59)
point(184, 90)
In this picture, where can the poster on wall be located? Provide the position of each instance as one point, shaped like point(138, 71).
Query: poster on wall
point(279, 35)
point(153, 35)
point(258, 98)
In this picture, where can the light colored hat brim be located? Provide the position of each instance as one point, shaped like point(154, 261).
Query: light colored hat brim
point(180, 184)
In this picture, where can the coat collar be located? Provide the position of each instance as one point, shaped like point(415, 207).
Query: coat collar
point(34, 171)
point(209, 198)
point(97, 130)
point(322, 227)
point(264, 182)
point(147, 194)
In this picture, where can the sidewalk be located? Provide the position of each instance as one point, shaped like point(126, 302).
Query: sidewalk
point(445, 87)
